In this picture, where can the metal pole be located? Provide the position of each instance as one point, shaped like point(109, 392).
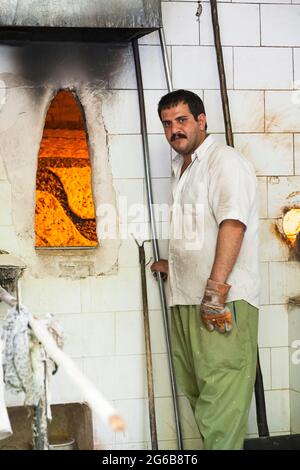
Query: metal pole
point(151, 398)
point(153, 230)
point(222, 75)
point(164, 51)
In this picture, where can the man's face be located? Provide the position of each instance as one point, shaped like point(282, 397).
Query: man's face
point(183, 133)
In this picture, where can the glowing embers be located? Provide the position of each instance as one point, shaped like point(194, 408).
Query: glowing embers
point(64, 215)
point(291, 225)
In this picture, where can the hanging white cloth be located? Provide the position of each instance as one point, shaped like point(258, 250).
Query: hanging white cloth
point(50, 343)
point(5, 428)
point(27, 367)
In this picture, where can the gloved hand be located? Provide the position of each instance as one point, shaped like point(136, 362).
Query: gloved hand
point(215, 314)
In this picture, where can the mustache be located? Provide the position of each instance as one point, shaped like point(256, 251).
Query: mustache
point(177, 136)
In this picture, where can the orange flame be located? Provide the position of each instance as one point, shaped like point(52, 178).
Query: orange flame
point(65, 213)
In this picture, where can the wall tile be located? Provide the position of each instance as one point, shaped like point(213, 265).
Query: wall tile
point(295, 411)
point(152, 98)
point(297, 67)
point(273, 326)
point(150, 39)
point(130, 377)
point(295, 366)
point(98, 334)
point(246, 25)
point(126, 156)
point(112, 293)
point(270, 247)
point(2, 169)
point(278, 410)
point(8, 241)
point(294, 324)
point(62, 388)
point(196, 67)
point(246, 109)
point(128, 254)
point(102, 373)
point(271, 154)
point(72, 330)
point(294, 340)
point(264, 283)
point(274, 65)
point(221, 138)
point(122, 76)
point(121, 112)
point(130, 200)
point(151, 59)
point(51, 295)
point(297, 153)
point(104, 436)
point(5, 206)
point(136, 415)
point(180, 24)
point(279, 189)
point(130, 333)
point(280, 368)
point(284, 281)
point(160, 156)
point(140, 230)
point(265, 363)
point(284, 19)
point(262, 197)
point(282, 111)
point(162, 198)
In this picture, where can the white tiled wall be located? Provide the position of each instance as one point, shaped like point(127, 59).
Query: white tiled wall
point(102, 316)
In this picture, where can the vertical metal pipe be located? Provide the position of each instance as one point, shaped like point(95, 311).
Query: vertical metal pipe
point(153, 230)
point(165, 57)
point(151, 398)
point(222, 75)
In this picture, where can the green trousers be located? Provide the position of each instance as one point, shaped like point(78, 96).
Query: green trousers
point(216, 371)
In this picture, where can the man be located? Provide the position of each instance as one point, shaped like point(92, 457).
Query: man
point(212, 273)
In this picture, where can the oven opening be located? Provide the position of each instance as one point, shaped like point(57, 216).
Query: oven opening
point(65, 211)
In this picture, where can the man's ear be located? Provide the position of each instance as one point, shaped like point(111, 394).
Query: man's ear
point(202, 121)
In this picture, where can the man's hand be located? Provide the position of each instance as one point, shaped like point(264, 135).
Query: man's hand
point(161, 266)
point(215, 314)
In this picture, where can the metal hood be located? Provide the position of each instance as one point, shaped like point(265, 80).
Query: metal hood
point(81, 20)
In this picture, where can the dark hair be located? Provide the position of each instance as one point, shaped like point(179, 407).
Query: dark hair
point(172, 99)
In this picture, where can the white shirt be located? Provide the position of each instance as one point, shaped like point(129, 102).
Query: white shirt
point(219, 184)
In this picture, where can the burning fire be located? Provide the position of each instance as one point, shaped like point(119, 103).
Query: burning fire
point(65, 213)
point(291, 224)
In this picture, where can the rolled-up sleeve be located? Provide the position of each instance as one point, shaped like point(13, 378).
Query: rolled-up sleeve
point(232, 188)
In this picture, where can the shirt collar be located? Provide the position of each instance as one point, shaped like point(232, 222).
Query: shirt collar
point(199, 152)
